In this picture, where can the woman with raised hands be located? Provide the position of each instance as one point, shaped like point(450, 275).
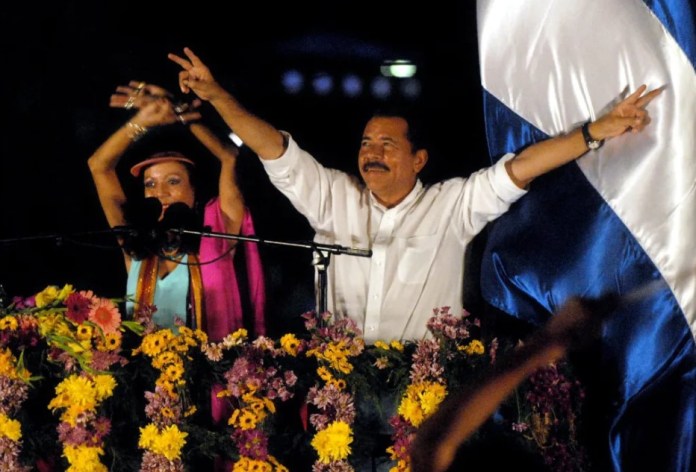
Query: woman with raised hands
point(186, 283)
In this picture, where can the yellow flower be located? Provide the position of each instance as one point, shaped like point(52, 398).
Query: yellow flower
point(170, 442)
point(64, 292)
point(474, 347)
point(174, 372)
point(382, 345)
point(166, 358)
point(431, 397)
point(247, 420)
point(10, 428)
point(148, 434)
point(395, 344)
point(201, 336)
point(112, 341)
point(84, 332)
point(7, 364)
point(290, 344)
point(324, 374)
point(104, 385)
point(234, 417)
point(46, 296)
point(277, 465)
point(153, 344)
point(8, 322)
point(245, 464)
point(411, 411)
point(76, 390)
point(340, 384)
point(84, 458)
point(333, 442)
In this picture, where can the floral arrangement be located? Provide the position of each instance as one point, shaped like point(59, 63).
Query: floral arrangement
point(253, 384)
point(549, 418)
point(83, 335)
point(452, 345)
point(83, 354)
point(14, 385)
point(333, 345)
point(163, 438)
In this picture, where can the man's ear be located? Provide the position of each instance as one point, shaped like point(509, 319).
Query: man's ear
point(421, 158)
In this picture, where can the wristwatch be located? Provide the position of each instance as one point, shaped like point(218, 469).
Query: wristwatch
point(592, 144)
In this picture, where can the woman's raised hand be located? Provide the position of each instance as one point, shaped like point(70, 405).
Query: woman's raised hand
point(161, 110)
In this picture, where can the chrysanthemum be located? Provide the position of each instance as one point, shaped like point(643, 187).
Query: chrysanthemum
point(170, 442)
point(104, 385)
point(84, 458)
point(10, 428)
point(105, 314)
point(333, 442)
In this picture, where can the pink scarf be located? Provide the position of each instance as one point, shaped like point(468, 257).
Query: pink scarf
point(223, 305)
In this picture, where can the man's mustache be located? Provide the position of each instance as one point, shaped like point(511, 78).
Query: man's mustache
point(375, 165)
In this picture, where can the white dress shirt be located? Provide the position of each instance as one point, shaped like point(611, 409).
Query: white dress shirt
point(417, 261)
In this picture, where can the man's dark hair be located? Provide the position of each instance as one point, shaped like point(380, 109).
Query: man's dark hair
point(415, 132)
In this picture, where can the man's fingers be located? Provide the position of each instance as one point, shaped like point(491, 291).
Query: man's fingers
point(636, 95)
point(180, 60)
point(195, 60)
point(648, 97)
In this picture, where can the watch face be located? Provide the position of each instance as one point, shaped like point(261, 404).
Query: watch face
point(593, 145)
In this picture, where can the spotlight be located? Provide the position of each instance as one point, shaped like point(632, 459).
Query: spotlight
point(399, 68)
point(410, 88)
point(352, 85)
point(381, 87)
point(322, 83)
point(293, 81)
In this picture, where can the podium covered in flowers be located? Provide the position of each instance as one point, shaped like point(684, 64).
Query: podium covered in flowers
point(83, 389)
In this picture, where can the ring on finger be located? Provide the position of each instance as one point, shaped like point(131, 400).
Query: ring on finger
point(130, 102)
point(181, 119)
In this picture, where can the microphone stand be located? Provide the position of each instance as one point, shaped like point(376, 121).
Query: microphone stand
point(60, 238)
point(320, 260)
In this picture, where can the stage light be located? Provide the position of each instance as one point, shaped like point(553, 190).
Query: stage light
point(399, 68)
point(322, 83)
point(410, 88)
point(352, 85)
point(292, 81)
point(381, 87)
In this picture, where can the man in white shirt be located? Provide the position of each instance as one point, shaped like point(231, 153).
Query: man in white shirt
point(417, 234)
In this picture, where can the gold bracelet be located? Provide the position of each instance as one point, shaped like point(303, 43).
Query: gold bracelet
point(135, 131)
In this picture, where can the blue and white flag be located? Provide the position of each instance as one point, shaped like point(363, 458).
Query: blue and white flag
point(617, 219)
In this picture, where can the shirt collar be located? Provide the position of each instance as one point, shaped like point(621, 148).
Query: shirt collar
point(412, 195)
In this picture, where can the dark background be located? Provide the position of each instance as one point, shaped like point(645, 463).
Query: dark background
point(62, 60)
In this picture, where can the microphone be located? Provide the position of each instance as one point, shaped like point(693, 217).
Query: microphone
point(142, 236)
point(176, 217)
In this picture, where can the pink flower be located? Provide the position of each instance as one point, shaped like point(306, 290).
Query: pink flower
point(105, 314)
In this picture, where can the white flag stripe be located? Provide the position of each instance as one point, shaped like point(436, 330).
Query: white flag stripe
point(557, 64)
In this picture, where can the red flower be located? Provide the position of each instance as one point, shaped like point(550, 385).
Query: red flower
point(78, 307)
